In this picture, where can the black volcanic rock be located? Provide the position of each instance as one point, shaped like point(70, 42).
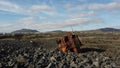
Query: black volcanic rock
point(109, 30)
point(25, 31)
point(22, 54)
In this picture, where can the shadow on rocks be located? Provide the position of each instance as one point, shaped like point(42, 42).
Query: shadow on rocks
point(84, 50)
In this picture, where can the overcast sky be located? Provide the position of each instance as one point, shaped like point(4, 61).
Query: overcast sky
point(48, 15)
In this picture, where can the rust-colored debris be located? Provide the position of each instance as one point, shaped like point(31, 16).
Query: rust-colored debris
point(69, 43)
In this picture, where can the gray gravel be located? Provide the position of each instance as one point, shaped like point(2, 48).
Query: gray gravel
point(21, 54)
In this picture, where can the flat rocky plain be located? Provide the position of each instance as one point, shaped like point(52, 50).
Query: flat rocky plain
point(100, 50)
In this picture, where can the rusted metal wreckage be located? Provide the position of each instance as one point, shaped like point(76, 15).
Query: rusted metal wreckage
point(70, 43)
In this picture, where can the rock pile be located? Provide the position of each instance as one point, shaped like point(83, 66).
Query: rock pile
point(15, 55)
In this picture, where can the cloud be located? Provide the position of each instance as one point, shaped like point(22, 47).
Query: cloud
point(66, 23)
point(31, 10)
point(115, 12)
point(26, 20)
point(116, 1)
point(45, 9)
point(77, 15)
point(9, 27)
point(109, 6)
point(70, 7)
point(10, 7)
point(42, 17)
point(41, 8)
point(14, 8)
point(5, 26)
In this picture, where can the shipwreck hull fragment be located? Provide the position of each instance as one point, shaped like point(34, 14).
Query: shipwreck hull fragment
point(70, 43)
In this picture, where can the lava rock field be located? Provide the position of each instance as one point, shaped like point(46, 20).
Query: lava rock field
point(22, 54)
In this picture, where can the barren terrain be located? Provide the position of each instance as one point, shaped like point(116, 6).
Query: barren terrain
point(100, 50)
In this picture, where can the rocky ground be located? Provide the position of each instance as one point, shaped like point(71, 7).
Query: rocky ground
point(22, 54)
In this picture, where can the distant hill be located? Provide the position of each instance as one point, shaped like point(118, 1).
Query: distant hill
point(106, 30)
point(25, 31)
point(59, 31)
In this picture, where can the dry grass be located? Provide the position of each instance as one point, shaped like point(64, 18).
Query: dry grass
point(89, 39)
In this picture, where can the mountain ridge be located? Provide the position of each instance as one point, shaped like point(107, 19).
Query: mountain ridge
point(96, 30)
point(25, 31)
point(108, 30)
